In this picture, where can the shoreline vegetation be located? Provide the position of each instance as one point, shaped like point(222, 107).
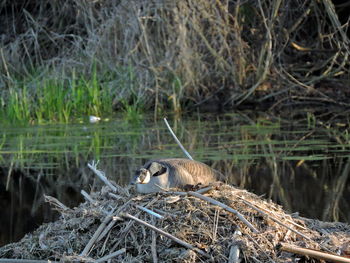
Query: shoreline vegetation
point(63, 59)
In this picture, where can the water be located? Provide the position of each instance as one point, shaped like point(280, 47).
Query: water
point(303, 165)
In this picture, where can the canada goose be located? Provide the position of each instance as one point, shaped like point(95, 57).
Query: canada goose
point(169, 173)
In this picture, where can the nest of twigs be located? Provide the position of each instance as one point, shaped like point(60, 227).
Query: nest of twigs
point(112, 224)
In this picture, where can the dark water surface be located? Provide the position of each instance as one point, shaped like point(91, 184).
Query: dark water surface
point(303, 165)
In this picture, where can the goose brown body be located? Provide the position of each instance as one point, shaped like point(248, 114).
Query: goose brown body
point(160, 174)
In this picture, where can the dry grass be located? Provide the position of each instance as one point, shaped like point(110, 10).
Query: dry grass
point(218, 50)
point(203, 225)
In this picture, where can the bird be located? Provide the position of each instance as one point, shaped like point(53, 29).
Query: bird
point(160, 174)
point(94, 119)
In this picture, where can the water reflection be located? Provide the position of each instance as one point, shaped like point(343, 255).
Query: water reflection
point(303, 166)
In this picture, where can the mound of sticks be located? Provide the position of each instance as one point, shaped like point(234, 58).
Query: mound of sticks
point(219, 223)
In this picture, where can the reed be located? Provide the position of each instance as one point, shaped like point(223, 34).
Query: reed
point(58, 99)
point(232, 52)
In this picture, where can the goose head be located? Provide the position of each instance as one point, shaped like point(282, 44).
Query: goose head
point(142, 176)
point(145, 174)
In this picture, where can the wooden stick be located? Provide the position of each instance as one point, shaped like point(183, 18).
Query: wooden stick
point(101, 175)
point(226, 207)
point(154, 245)
point(165, 213)
point(262, 250)
point(274, 219)
point(91, 242)
point(177, 140)
point(130, 223)
point(234, 254)
point(109, 227)
point(150, 212)
point(58, 205)
point(88, 197)
point(200, 191)
point(234, 249)
point(314, 253)
point(124, 232)
point(265, 210)
point(112, 255)
point(117, 197)
point(205, 190)
point(168, 235)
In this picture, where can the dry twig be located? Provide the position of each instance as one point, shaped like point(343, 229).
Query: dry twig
point(234, 249)
point(314, 253)
point(149, 212)
point(112, 255)
point(177, 240)
point(101, 175)
point(177, 140)
point(226, 207)
point(96, 235)
point(88, 197)
point(56, 203)
point(274, 219)
point(154, 245)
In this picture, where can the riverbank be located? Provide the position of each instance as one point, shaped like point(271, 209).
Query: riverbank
point(62, 60)
point(117, 223)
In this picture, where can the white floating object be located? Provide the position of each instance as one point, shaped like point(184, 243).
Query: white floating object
point(94, 119)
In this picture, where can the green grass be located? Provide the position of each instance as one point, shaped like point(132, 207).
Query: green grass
point(60, 99)
point(18, 105)
point(132, 113)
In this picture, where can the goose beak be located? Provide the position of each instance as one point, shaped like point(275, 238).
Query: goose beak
point(136, 180)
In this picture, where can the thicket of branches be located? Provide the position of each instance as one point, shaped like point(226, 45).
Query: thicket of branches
point(186, 51)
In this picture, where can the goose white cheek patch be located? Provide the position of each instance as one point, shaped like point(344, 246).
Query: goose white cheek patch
point(144, 178)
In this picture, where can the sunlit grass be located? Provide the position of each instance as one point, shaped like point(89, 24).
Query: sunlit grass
point(132, 113)
point(18, 106)
point(63, 99)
